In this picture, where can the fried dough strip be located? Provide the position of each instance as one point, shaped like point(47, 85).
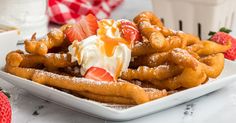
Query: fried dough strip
point(142, 48)
point(210, 47)
point(146, 73)
point(148, 17)
point(50, 60)
point(156, 59)
point(107, 99)
point(145, 22)
point(54, 38)
point(152, 60)
point(155, 93)
point(152, 94)
point(192, 75)
point(183, 58)
point(177, 56)
point(188, 38)
point(152, 28)
point(188, 78)
point(120, 89)
point(213, 64)
point(176, 42)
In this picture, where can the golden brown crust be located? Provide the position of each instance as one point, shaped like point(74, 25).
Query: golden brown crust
point(144, 73)
point(210, 47)
point(164, 59)
point(152, 94)
point(213, 64)
point(50, 60)
point(121, 89)
point(55, 38)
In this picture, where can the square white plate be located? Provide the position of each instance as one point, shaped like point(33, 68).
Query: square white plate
point(102, 111)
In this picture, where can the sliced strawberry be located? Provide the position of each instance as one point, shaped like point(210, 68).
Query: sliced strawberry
point(89, 24)
point(85, 27)
point(75, 32)
point(221, 38)
point(231, 53)
point(98, 74)
point(129, 31)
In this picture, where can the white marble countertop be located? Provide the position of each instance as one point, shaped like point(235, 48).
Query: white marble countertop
point(217, 107)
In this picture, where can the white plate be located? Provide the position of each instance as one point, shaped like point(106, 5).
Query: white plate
point(102, 111)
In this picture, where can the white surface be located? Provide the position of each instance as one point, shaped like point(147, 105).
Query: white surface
point(211, 14)
point(216, 107)
point(227, 76)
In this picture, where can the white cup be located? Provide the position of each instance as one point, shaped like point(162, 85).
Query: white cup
point(29, 16)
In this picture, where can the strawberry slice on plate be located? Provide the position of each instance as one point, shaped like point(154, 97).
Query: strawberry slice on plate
point(86, 26)
point(98, 74)
point(129, 31)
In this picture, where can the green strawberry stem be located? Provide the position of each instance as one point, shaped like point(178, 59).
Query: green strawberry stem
point(6, 93)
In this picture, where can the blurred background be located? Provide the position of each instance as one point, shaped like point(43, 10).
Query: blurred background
point(192, 16)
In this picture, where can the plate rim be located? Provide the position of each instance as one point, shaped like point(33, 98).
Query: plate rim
point(219, 82)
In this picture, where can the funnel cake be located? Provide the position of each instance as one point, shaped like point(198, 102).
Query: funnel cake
point(108, 61)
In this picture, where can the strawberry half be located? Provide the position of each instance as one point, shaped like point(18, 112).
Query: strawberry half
point(129, 31)
point(86, 26)
point(5, 109)
point(98, 74)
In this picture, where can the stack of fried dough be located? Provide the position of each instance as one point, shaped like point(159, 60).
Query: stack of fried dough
point(163, 61)
point(172, 60)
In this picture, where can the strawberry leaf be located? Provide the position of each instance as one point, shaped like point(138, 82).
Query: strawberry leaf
point(6, 93)
point(211, 33)
point(223, 29)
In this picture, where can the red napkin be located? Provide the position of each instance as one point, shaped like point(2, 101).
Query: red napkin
point(69, 11)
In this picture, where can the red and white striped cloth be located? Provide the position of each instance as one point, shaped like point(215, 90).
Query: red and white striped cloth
point(69, 11)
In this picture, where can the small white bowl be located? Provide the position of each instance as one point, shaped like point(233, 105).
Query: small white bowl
point(8, 40)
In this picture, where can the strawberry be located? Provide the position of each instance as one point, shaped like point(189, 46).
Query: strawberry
point(5, 109)
point(75, 32)
point(89, 24)
point(129, 31)
point(98, 74)
point(231, 54)
point(233, 42)
point(86, 26)
point(222, 37)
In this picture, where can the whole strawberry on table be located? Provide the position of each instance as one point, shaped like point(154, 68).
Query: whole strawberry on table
point(222, 37)
point(5, 107)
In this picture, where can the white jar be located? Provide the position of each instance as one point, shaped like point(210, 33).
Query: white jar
point(29, 16)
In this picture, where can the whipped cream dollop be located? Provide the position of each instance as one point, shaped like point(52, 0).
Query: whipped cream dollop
point(107, 50)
